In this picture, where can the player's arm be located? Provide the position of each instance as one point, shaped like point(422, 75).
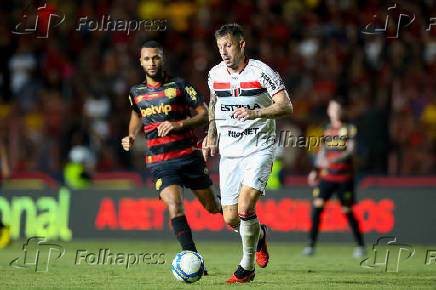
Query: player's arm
point(195, 101)
point(135, 125)
point(280, 108)
point(199, 119)
point(210, 141)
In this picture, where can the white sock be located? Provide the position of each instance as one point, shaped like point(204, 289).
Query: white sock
point(249, 230)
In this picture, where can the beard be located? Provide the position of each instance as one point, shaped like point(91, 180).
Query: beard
point(157, 76)
point(234, 62)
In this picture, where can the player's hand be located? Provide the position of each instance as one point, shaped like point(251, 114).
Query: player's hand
point(242, 114)
point(209, 146)
point(166, 127)
point(312, 178)
point(127, 142)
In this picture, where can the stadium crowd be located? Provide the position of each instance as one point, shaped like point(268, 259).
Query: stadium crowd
point(71, 88)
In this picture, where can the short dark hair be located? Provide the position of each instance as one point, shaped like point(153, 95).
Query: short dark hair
point(340, 100)
point(152, 44)
point(233, 29)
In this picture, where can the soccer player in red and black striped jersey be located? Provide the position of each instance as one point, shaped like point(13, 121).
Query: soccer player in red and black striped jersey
point(161, 105)
point(334, 174)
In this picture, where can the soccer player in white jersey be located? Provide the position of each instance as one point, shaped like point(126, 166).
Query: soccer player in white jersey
point(246, 96)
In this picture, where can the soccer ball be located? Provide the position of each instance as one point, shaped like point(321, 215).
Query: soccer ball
point(188, 266)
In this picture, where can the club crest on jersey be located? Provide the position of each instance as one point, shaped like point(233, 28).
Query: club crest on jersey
point(171, 93)
point(236, 92)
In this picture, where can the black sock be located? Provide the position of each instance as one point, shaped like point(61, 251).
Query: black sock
point(354, 224)
point(183, 233)
point(1, 224)
point(316, 216)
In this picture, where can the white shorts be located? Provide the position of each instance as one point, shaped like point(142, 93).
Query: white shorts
point(252, 170)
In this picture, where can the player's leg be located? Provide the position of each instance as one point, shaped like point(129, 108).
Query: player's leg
point(195, 176)
point(231, 217)
point(250, 227)
point(256, 171)
point(230, 183)
point(249, 230)
point(172, 195)
point(208, 199)
point(346, 196)
point(321, 194)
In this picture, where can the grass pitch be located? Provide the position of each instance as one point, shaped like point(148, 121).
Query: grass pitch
point(331, 268)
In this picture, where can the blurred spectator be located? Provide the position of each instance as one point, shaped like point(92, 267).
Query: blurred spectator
point(71, 89)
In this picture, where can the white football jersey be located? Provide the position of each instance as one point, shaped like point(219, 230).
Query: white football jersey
point(251, 88)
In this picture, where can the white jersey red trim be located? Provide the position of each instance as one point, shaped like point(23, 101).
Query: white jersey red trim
point(251, 88)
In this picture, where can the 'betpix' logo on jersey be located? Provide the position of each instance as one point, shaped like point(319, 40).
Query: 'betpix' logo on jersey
point(156, 110)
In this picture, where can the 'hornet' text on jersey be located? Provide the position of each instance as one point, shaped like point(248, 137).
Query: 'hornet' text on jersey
point(168, 101)
point(252, 88)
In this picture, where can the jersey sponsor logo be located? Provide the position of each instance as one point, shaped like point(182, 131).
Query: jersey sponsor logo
point(268, 80)
point(170, 93)
point(165, 109)
point(248, 131)
point(231, 108)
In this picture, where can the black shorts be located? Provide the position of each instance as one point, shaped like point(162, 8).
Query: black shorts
point(191, 173)
point(344, 191)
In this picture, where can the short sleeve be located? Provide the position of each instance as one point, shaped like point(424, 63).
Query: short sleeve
point(132, 103)
point(271, 80)
point(193, 96)
point(210, 82)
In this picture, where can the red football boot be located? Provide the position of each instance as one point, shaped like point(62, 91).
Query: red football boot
point(262, 255)
point(241, 276)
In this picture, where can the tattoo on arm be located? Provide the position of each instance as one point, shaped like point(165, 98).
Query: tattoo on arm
point(212, 126)
point(282, 107)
